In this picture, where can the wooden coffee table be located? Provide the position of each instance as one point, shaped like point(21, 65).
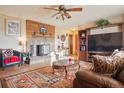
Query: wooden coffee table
point(64, 65)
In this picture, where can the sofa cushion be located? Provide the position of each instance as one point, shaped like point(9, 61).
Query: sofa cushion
point(11, 59)
point(108, 64)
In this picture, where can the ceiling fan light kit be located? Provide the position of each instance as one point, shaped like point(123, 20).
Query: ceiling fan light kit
point(63, 12)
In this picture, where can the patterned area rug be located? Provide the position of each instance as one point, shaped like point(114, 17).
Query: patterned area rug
point(43, 78)
point(39, 78)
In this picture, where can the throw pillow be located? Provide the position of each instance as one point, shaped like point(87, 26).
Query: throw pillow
point(118, 59)
point(7, 52)
point(114, 52)
point(102, 64)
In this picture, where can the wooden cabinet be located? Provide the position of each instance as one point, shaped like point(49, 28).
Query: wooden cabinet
point(83, 45)
point(105, 42)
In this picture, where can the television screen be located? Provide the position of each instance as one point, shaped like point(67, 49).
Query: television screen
point(105, 42)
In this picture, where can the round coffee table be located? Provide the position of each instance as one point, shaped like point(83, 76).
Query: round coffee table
point(64, 64)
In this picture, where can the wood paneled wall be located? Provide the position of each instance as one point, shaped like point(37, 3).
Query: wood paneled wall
point(34, 27)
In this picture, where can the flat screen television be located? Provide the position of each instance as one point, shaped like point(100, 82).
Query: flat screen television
point(105, 42)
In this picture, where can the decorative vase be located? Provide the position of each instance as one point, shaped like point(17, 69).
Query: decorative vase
point(69, 60)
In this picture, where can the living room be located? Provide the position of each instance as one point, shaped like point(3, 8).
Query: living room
point(61, 46)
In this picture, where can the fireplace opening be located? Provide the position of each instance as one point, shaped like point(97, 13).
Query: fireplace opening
point(42, 50)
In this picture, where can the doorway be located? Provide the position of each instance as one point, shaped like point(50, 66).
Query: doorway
point(70, 44)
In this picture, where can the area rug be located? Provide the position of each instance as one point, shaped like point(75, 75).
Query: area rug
point(39, 78)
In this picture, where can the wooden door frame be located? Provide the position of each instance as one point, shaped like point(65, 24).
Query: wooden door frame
point(71, 44)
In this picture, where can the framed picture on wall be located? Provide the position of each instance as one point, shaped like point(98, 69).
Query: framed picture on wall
point(12, 27)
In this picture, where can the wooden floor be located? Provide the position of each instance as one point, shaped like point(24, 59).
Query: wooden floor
point(26, 67)
point(15, 69)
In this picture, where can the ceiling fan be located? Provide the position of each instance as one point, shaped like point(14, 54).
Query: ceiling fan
point(62, 12)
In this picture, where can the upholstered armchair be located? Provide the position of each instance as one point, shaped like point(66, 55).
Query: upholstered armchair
point(10, 57)
point(61, 55)
point(53, 57)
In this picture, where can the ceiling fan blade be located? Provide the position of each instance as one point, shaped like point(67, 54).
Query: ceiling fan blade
point(51, 9)
point(67, 15)
point(74, 9)
point(63, 17)
point(55, 14)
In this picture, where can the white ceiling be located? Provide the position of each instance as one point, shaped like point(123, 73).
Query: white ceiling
point(36, 12)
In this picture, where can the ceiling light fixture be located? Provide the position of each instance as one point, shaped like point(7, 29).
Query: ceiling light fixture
point(63, 12)
point(74, 29)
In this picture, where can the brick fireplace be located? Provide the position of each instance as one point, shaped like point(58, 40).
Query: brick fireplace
point(40, 46)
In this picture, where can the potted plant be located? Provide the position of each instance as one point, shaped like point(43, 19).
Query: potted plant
point(26, 57)
point(102, 22)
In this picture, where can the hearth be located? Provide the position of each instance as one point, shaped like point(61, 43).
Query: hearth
point(42, 50)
